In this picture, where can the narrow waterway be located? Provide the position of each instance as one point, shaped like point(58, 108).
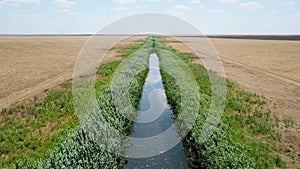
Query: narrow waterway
point(155, 117)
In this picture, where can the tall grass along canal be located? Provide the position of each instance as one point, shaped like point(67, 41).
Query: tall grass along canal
point(155, 117)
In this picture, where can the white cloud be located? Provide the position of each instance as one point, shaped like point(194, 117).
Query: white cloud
point(125, 1)
point(216, 11)
point(229, 1)
point(122, 2)
point(219, 13)
point(158, 0)
point(252, 5)
point(292, 3)
point(178, 10)
point(195, 2)
point(65, 12)
point(28, 14)
point(123, 9)
point(65, 3)
point(181, 7)
point(271, 13)
point(19, 2)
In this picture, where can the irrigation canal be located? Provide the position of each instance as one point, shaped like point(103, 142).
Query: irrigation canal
point(153, 105)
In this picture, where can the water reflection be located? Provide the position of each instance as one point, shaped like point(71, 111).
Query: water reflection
point(155, 117)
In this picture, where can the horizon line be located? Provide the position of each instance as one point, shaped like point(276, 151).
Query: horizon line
point(217, 34)
point(287, 37)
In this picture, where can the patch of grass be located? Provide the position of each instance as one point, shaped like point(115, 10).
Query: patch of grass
point(109, 68)
point(33, 131)
point(136, 88)
point(129, 50)
point(174, 96)
point(288, 123)
point(169, 41)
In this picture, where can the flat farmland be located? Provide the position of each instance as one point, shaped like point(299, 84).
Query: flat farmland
point(27, 62)
point(270, 68)
point(267, 67)
point(32, 64)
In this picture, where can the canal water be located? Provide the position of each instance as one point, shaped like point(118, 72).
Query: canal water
point(154, 118)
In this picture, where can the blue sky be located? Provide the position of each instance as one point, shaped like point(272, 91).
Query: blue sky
point(209, 16)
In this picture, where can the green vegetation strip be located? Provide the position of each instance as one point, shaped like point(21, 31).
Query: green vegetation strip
point(28, 132)
point(47, 134)
point(244, 137)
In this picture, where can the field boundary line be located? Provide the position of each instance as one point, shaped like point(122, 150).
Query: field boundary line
point(278, 76)
point(34, 90)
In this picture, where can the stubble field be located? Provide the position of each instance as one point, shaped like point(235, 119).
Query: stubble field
point(270, 68)
point(32, 64)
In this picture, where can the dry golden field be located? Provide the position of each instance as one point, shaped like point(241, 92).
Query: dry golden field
point(31, 64)
point(270, 68)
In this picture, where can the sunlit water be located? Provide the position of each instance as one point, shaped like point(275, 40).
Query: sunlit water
point(155, 117)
